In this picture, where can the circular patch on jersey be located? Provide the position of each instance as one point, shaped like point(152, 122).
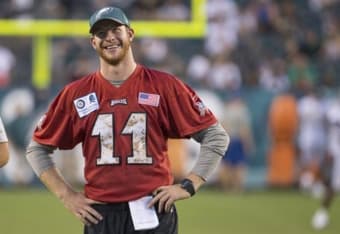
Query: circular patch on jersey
point(80, 104)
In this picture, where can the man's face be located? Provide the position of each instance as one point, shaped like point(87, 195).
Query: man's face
point(111, 40)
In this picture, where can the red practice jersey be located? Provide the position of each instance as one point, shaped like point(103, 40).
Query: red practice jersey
point(123, 130)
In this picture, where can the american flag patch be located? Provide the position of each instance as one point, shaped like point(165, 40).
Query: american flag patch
point(148, 99)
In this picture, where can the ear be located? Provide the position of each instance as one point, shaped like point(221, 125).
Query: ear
point(131, 33)
point(92, 41)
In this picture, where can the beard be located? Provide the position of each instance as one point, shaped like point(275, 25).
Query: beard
point(114, 58)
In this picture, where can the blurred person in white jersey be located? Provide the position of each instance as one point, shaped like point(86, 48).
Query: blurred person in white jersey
point(311, 138)
point(4, 152)
point(330, 168)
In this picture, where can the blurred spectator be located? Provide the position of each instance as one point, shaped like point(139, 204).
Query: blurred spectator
point(333, 146)
point(237, 122)
point(273, 76)
point(332, 38)
point(71, 58)
point(173, 10)
point(319, 5)
point(145, 9)
point(4, 151)
point(224, 74)
point(283, 128)
point(302, 74)
point(7, 63)
point(17, 102)
point(79, 66)
point(12, 9)
point(71, 9)
point(330, 168)
point(49, 9)
point(157, 54)
point(17, 110)
point(248, 19)
point(223, 27)
point(310, 43)
point(287, 22)
point(267, 16)
point(198, 70)
point(311, 138)
point(154, 49)
point(22, 9)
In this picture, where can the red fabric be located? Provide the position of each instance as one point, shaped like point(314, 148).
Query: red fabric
point(177, 116)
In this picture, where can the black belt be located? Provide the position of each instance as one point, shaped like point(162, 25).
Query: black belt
point(119, 206)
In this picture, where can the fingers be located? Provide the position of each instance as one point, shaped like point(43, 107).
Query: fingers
point(168, 205)
point(86, 214)
point(90, 201)
point(89, 216)
point(80, 206)
point(157, 196)
point(82, 218)
point(165, 199)
point(93, 215)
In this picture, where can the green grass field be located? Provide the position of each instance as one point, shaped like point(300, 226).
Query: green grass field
point(209, 212)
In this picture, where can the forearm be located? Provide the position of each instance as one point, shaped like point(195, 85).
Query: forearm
point(39, 158)
point(214, 142)
point(75, 202)
point(52, 179)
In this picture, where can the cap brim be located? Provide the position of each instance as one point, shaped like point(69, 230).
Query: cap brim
point(106, 18)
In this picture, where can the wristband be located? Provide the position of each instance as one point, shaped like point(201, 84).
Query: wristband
point(188, 186)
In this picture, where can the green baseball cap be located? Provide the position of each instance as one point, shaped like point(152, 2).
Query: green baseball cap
point(109, 13)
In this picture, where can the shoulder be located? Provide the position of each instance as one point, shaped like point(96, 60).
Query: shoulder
point(74, 91)
point(155, 74)
point(161, 78)
point(80, 86)
point(81, 83)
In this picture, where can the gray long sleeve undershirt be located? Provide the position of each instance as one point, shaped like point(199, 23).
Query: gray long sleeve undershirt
point(39, 158)
point(214, 142)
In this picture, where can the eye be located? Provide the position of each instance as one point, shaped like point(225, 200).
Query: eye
point(116, 29)
point(101, 34)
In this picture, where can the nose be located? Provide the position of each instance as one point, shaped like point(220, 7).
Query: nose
point(109, 35)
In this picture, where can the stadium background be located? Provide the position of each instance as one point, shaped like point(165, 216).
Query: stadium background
point(255, 49)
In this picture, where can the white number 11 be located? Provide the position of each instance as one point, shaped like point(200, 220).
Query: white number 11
point(135, 126)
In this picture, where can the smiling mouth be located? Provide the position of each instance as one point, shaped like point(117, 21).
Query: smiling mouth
point(111, 47)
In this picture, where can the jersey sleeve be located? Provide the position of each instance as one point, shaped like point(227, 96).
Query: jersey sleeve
point(186, 112)
point(57, 127)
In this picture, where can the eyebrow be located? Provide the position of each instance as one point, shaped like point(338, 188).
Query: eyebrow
point(106, 27)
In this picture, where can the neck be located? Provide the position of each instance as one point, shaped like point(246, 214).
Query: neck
point(120, 71)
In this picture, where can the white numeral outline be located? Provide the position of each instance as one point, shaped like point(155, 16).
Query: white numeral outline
point(135, 126)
